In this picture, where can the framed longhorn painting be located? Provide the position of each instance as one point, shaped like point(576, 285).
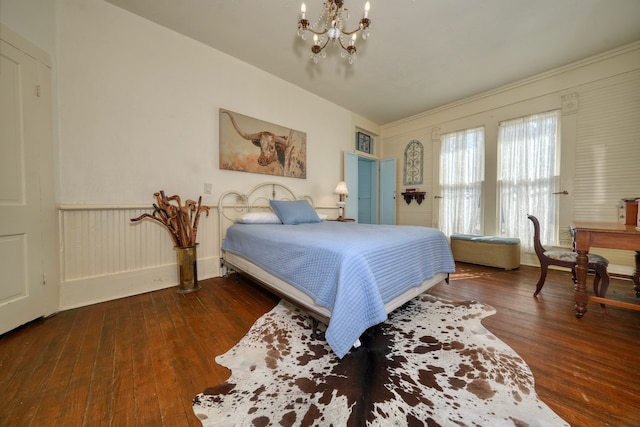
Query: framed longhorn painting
point(252, 145)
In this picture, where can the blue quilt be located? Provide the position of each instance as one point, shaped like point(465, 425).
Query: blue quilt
point(352, 269)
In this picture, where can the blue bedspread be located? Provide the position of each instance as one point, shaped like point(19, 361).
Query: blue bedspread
point(352, 269)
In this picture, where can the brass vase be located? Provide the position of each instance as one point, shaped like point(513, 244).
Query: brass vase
point(187, 269)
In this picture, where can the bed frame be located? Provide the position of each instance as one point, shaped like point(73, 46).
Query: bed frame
point(233, 203)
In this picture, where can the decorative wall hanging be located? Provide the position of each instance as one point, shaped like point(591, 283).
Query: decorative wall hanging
point(251, 145)
point(364, 142)
point(413, 163)
point(412, 194)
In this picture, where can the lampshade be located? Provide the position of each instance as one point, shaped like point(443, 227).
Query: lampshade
point(341, 188)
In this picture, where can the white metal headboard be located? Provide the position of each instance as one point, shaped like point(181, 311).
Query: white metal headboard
point(233, 203)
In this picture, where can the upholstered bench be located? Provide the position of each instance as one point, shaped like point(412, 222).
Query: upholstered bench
point(501, 252)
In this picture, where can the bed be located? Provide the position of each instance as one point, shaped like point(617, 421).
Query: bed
point(344, 274)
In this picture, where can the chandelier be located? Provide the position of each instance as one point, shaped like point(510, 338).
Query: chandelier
point(330, 28)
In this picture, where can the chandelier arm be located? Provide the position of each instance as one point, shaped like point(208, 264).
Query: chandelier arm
point(342, 44)
point(326, 42)
point(364, 24)
point(320, 33)
point(316, 48)
point(347, 33)
point(350, 49)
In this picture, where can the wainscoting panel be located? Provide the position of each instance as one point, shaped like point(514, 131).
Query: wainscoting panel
point(105, 256)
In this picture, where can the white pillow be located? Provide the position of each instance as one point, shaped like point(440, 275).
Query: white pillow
point(258, 218)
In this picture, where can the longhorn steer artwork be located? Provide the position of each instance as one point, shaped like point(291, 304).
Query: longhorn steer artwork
point(274, 150)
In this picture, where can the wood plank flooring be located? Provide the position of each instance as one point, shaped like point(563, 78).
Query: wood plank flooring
point(139, 361)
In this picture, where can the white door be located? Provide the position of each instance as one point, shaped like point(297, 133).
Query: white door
point(28, 229)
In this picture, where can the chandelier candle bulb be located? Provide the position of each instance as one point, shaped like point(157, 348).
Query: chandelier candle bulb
point(303, 9)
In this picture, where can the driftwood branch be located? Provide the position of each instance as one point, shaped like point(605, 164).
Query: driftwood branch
point(180, 221)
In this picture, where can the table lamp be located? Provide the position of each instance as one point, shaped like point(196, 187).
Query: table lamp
point(342, 191)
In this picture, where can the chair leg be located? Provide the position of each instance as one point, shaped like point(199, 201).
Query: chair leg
point(596, 286)
point(596, 283)
point(601, 275)
point(543, 277)
point(604, 275)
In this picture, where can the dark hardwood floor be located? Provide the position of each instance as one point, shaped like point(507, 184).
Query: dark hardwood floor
point(141, 360)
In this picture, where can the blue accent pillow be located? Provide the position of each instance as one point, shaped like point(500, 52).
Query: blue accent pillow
point(294, 212)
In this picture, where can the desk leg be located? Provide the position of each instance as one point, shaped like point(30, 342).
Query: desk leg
point(581, 296)
point(636, 275)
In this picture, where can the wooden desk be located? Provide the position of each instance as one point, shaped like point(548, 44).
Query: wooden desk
point(603, 235)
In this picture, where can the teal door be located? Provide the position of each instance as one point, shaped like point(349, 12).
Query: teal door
point(351, 179)
point(367, 191)
point(388, 191)
point(378, 189)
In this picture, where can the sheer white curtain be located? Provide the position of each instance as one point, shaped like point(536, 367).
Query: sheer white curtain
point(461, 178)
point(528, 172)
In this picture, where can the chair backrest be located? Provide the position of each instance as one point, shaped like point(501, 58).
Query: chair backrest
point(536, 237)
point(561, 258)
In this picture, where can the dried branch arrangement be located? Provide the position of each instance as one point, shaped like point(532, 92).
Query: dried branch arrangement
point(180, 221)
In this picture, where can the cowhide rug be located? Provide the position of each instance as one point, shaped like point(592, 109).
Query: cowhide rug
point(430, 364)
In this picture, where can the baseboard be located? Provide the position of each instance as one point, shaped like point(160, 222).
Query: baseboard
point(93, 290)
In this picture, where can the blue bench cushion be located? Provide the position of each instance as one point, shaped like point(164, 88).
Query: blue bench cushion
point(487, 239)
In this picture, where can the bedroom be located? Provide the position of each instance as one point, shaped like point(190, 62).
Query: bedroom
point(122, 131)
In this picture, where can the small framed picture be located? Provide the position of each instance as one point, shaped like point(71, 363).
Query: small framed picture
point(364, 142)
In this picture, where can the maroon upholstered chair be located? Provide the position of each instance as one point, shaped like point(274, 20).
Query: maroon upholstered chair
point(597, 264)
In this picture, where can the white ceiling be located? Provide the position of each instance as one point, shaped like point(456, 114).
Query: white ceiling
point(421, 53)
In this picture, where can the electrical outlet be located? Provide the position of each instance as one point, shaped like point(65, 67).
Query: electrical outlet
point(207, 188)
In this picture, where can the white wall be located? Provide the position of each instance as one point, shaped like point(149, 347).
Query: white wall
point(137, 111)
point(32, 19)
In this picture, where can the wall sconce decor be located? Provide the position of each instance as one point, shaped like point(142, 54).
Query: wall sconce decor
point(411, 194)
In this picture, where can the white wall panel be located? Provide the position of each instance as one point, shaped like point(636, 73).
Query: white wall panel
point(105, 256)
point(608, 147)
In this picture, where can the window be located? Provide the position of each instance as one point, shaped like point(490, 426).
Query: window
point(528, 172)
point(461, 178)
point(364, 142)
